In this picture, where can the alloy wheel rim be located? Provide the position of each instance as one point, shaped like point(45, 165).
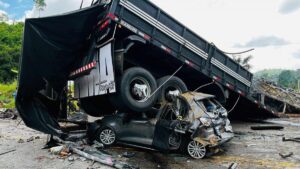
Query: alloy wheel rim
point(107, 137)
point(196, 150)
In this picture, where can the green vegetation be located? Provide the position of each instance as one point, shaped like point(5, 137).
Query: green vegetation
point(40, 5)
point(6, 95)
point(285, 78)
point(269, 74)
point(10, 50)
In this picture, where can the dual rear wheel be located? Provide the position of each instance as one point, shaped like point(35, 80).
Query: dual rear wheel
point(137, 90)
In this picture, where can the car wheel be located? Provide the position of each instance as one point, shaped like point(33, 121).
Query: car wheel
point(174, 140)
point(134, 90)
point(106, 136)
point(173, 84)
point(196, 150)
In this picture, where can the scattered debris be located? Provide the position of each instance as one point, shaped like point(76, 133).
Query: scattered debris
point(88, 152)
point(282, 122)
point(82, 158)
point(71, 158)
point(296, 139)
point(37, 137)
point(250, 145)
point(267, 127)
point(97, 144)
point(286, 155)
point(233, 166)
point(289, 99)
point(8, 113)
point(30, 139)
point(128, 154)
point(64, 153)
point(2, 110)
point(106, 160)
point(56, 150)
point(21, 141)
point(7, 152)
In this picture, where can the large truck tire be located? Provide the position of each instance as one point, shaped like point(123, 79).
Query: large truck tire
point(174, 84)
point(97, 106)
point(134, 89)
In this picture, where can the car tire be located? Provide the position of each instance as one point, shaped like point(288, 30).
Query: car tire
point(196, 150)
point(106, 136)
point(174, 83)
point(174, 141)
point(128, 96)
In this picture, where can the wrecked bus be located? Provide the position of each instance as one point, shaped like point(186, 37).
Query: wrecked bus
point(125, 55)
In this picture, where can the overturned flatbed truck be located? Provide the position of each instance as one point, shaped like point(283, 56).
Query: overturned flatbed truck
point(124, 55)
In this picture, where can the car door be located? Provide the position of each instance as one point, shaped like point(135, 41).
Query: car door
point(163, 130)
point(138, 130)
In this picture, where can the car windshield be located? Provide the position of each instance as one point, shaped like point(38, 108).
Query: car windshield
point(210, 105)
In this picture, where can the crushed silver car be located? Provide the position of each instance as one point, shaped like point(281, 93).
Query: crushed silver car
point(192, 123)
point(205, 120)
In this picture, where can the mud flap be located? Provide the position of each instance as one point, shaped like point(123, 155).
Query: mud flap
point(101, 80)
point(42, 114)
point(52, 47)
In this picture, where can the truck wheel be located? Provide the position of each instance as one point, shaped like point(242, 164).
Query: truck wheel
point(134, 90)
point(175, 84)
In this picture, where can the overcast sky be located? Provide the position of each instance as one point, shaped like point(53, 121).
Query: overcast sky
point(270, 26)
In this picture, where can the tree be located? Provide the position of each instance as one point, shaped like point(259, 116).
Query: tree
point(3, 16)
point(288, 78)
point(243, 61)
point(10, 50)
point(40, 5)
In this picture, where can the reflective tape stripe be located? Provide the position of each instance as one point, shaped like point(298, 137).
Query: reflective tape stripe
point(84, 68)
point(163, 28)
point(231, 72)
point(157, 24)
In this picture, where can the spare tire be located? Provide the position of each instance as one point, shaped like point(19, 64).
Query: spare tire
point(134, 89)
point(173, 84)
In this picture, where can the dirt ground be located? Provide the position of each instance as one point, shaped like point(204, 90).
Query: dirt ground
point(249, 149)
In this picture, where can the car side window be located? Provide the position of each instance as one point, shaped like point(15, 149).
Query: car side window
point(210, 106)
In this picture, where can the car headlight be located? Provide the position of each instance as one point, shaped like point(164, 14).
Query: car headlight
point(206, 122)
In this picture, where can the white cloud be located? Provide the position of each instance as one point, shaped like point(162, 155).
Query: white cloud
point(289, 6)
point(27, 14)
point(227, 23)
point(55, 7)
point(4, 17)
point(264, 41)
point(4, 5)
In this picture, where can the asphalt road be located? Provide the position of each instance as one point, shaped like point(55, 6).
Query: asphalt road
point(249, 149)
